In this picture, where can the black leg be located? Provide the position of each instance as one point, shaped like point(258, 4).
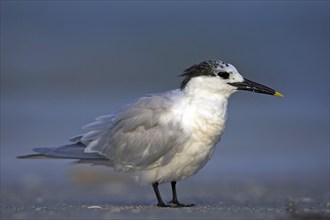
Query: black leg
point(175, 197)
point(159, 198)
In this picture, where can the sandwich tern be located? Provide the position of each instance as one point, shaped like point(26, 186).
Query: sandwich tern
point(165, 137)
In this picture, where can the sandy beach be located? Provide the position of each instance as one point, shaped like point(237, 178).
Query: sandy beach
point(92, 193)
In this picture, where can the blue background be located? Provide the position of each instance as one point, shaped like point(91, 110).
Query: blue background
point(64, 63)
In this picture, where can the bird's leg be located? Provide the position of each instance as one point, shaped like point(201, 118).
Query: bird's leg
point(175, 197)
point(159, 198)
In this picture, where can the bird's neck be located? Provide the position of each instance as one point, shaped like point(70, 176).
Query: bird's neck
point(202, 113)
point(202, 93)
point(211, 106)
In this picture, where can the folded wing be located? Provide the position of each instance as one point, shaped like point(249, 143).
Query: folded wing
point(141, 135)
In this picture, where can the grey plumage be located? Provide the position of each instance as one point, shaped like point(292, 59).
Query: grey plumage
point(71, 151)
point(135, 137)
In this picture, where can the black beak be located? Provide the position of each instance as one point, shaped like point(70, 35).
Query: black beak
point(249, 85)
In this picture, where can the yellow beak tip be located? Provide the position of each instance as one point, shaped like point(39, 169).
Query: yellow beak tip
point(278, 94)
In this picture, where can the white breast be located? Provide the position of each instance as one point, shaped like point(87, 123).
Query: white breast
point(203, 118)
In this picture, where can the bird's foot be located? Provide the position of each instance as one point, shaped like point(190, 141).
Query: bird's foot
point(174, 205)
point(177, 204)
point(163, 205)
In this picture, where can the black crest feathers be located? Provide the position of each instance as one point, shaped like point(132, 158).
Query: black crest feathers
point(205, 68)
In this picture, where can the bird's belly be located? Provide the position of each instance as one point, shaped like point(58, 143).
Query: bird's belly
point(193, 156)
point(186, 163)
point(195, 153)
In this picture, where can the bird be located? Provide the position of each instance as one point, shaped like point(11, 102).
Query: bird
point(164, 137)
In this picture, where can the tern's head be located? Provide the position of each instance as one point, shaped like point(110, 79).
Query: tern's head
point(216, 76)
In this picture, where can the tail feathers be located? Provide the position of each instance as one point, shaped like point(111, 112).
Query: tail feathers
point(34, 156)
point(71, 151)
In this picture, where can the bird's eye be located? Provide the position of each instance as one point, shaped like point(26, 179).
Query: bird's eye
point(224, 75)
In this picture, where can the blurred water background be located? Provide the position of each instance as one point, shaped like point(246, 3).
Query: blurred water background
point(64, 63)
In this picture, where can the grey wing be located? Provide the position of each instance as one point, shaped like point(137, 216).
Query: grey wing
point(69, 151)
point(139, 136)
